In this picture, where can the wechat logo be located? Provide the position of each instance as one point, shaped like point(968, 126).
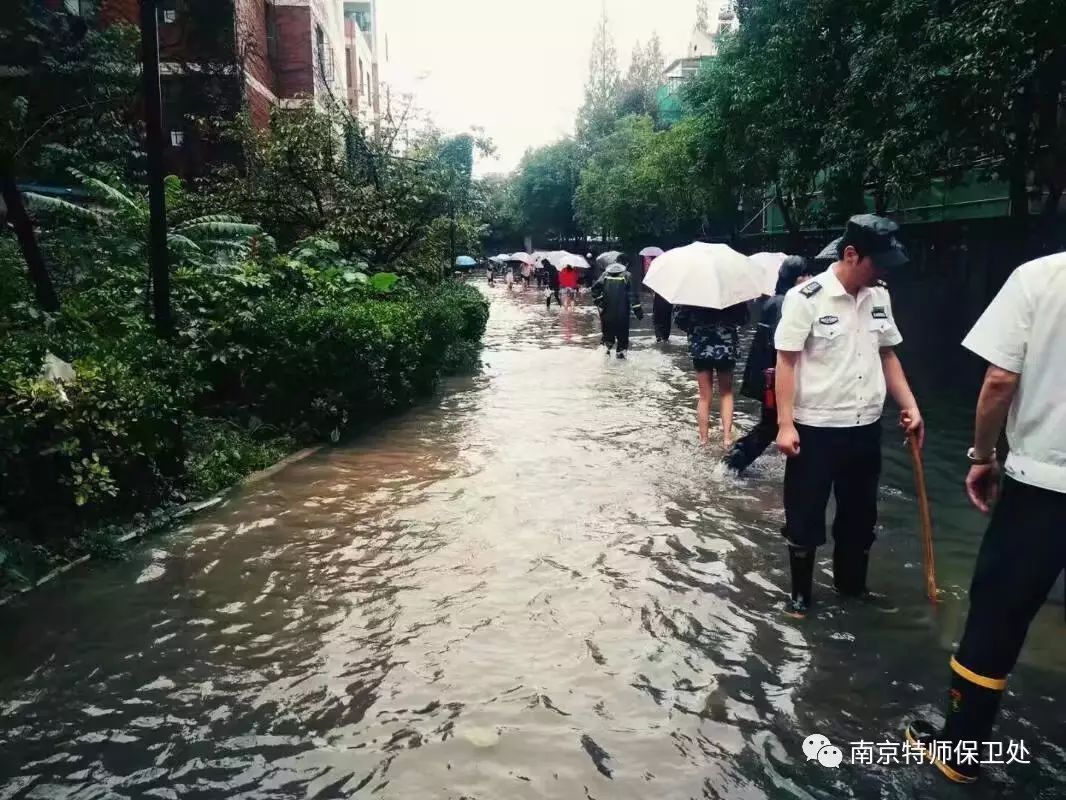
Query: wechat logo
point(818, 748)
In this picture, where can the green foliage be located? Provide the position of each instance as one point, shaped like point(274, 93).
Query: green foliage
point(598, 113)
point(118, 219)
point(641, 184)
point(838, 97)
point(544, 189)
point(221, 452)
point(637, 95)
point(110, 432)
point(301, 180)
point(69, 107)
point(504, 223)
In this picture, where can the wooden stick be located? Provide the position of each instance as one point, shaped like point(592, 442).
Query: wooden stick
point(926, 518)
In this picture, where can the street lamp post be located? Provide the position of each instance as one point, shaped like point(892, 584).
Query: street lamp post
point(153, 118)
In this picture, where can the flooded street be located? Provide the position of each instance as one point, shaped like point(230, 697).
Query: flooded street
point(536, 585)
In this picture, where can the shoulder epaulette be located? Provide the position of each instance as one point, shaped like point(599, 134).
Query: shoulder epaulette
point(811, 289)
point(882, 284)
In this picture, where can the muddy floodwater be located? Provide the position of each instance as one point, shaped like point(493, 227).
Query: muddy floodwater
point(535, 585)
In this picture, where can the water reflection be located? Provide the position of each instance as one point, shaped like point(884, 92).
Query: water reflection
point(536, 586)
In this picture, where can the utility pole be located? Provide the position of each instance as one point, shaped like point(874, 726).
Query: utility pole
point(153, 117)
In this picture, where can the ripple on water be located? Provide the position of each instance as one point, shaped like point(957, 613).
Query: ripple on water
point(537, 585)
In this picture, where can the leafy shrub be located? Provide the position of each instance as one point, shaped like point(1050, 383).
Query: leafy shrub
point(107, 442)
point(221, 452)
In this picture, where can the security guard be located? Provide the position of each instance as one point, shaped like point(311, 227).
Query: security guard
point(615, 297)
point(1022, 336)
point(835, 360)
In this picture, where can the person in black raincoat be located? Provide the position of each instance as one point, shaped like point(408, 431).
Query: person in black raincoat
point(615, 296)
point(662, 315)
point(762, 357)
point(551, 275)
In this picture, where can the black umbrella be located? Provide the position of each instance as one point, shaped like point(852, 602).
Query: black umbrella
point(831, 252)
point(604, 260)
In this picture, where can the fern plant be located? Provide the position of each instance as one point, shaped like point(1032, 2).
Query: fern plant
point(205, 240)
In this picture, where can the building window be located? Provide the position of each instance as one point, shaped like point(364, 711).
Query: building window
point(168, 11)
point(271, 31)
point(177, 138)
point(324, 55)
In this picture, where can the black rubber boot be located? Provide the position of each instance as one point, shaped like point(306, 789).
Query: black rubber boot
point(971, 713)
point(801, 565)
point(850, 565)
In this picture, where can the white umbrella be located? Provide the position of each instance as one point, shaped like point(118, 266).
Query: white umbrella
point(571, 260)
point(706, 275)
point(525, 258)
point(651, 252)
point(769, 265)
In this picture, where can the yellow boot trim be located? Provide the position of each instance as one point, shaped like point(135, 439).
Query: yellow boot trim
point(949, 773)
point(997, 684)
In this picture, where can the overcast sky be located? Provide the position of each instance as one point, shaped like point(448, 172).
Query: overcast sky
point(515, 67)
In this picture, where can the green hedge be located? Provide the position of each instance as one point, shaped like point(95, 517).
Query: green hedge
point(253, 373)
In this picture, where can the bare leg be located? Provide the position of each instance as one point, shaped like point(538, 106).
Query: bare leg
point(703, 410)
point(725, 392)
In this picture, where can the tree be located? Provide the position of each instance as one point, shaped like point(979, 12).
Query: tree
point(893, 94)
point(457, 155)
point(64, 102)
point(599, 111)
point(761, 124)
point(498, 202)
point(300, 178)
point(544, 188)
point(639, 89)
point(703, 16)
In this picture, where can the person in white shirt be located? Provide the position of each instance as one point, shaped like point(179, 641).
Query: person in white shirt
point(1022, 336)
point(835, 362)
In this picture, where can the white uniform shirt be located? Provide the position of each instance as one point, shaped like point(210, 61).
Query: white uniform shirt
point(840, 382)
point(1024, 331)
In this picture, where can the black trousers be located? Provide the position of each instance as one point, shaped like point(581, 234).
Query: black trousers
point(662, 317)
point(753, 444)
point(846, 462)
point(1021, 557)
point(615, 332)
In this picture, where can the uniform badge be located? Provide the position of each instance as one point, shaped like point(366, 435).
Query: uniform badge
point(879, 312)
point(811, 289)
point(830, 320)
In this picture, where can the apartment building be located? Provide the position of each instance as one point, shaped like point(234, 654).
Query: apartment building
point(361, 59)
point(219, 57)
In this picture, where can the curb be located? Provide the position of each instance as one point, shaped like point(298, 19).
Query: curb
point(166, 518)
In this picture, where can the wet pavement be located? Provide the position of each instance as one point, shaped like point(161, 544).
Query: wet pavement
point(535, 586)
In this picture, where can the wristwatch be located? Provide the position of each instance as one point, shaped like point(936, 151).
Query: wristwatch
point(971, 454)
